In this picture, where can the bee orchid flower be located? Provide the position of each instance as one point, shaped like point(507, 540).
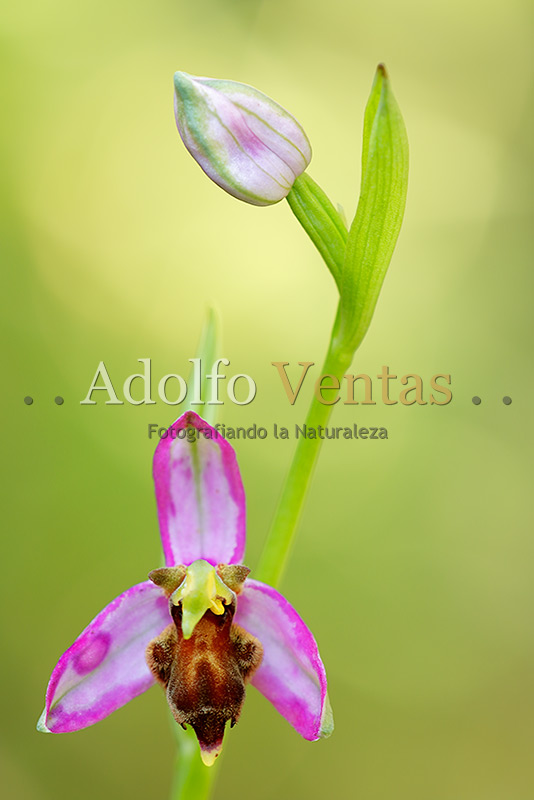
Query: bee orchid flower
point(200, 627)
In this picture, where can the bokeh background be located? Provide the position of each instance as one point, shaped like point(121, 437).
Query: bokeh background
point(413, 562)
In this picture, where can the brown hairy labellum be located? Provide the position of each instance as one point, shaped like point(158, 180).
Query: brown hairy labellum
point(205, 675)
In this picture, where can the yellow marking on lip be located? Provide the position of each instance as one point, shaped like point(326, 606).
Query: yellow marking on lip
point(208, 756)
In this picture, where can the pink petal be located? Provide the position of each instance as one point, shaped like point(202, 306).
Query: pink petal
point(200, 496)
point(105, 667)
point(291, 675)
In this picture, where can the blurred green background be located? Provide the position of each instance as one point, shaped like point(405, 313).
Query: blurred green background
point(413, 563)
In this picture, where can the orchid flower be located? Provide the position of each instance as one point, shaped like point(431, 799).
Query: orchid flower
point(199, 626)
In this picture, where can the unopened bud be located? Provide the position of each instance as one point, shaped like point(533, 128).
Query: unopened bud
point(245, 142)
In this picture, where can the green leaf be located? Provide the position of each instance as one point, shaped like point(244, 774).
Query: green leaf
point(208, 351)
point(321, 221)
point(376, 226)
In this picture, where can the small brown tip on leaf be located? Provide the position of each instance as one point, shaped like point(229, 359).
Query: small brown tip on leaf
point(169, 578)
point(382, 70)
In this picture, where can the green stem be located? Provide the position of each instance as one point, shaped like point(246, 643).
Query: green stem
point(281, 536)
point(321, 221)
point(192, 779)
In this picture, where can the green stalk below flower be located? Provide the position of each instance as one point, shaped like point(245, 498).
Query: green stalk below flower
point(280, 539)
point(192, 779)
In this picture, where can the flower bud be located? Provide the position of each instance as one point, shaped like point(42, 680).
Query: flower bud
point(244, 141)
